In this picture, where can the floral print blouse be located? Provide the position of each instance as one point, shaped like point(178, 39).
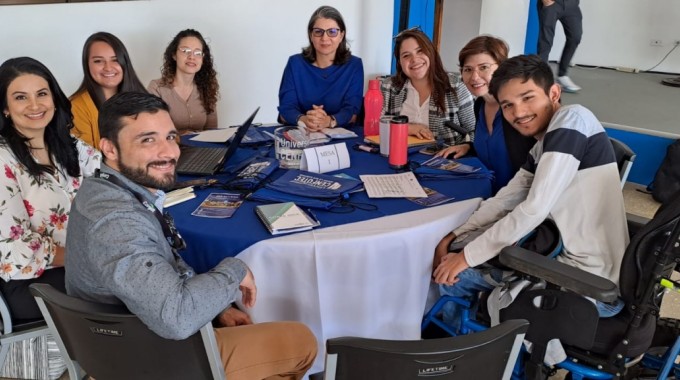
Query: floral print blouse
point(33, 216)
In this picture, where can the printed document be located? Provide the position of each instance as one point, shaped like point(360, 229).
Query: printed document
point(402, 185)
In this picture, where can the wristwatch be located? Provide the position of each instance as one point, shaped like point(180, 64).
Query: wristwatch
point(333, 123)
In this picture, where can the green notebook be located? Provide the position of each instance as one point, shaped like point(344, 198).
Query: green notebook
point(282, 218)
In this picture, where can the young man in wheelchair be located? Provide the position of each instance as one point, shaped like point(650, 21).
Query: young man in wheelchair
point(570, 177)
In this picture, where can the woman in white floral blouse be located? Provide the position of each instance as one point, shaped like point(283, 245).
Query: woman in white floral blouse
point(41, 167)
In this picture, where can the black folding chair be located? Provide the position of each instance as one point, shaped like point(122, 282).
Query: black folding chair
point(108, 342)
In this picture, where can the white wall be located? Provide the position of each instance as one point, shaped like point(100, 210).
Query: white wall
point(507, 20)
point(615, 32)
point(460, 23)
point(250, 40)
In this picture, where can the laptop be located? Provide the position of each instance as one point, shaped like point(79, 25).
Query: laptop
point(195, 160)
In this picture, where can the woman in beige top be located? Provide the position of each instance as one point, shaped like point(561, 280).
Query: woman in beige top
point(188, 83)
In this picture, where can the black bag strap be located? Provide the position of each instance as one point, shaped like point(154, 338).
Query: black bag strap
point(172, 236)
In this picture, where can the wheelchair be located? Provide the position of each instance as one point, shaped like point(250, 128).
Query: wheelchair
point(597, 348)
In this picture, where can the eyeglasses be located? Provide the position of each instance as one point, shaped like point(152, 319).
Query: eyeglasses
point(484, 68)
point(332, 32)
point(411, 29)
point(187, 52)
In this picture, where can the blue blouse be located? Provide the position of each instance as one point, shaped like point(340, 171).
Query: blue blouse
point(338, 88)
point(491, 149)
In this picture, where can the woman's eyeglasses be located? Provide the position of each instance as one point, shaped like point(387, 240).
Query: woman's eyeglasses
point(188, 52)
point(332, 32)
point(484, 68)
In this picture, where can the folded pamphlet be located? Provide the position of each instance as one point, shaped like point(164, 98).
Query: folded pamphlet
point(434, 198)
point(219, 205)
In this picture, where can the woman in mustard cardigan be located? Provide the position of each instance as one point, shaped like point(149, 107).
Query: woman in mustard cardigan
point(107, 70)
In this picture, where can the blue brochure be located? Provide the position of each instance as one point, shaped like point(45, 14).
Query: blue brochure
point(443, 168)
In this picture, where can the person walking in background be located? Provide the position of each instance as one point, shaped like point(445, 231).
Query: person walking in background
point(569, 15)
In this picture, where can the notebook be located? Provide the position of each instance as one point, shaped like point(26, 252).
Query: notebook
point(281, 218)
point(412, 141)
point(208, 161)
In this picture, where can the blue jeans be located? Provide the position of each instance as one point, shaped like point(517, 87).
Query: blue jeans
point(470, 283)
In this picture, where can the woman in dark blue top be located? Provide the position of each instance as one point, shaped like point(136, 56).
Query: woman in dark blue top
point(323, 86)
point(497, 144)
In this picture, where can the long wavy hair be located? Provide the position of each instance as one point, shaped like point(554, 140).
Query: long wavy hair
point(130, 80)
point(343, 54)
point(60, 145)
point(436, 75)
point(205, 78)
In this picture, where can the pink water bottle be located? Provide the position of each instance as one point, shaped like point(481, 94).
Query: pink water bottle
point(373, 102)
point(398, 158)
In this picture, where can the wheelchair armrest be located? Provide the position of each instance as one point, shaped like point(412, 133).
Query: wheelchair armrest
point(560, 274)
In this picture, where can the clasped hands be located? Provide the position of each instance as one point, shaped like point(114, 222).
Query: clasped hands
point(447, 265)
point(316, 119)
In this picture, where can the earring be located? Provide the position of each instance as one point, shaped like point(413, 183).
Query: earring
point(7, 116)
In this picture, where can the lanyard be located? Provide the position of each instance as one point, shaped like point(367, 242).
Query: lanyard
point(169, 230)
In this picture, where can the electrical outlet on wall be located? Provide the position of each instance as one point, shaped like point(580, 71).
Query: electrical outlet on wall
point(656, 43)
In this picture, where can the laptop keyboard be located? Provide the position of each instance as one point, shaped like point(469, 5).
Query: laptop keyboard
point(194, 160)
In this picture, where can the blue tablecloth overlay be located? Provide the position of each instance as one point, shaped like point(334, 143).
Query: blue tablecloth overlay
point(211, 240)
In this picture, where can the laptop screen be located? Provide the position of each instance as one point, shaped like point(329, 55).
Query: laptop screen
point(195, 160)
point(236, 140)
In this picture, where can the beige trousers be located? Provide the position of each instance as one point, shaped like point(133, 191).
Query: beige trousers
point(276, 350)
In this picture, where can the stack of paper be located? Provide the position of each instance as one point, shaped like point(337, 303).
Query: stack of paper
point(178, 196)
point(402, 185)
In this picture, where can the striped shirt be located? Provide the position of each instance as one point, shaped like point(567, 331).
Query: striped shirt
point(570, 177)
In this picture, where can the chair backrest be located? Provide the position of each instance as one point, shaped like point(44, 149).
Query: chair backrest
point(110, 343)
point(489, 354)
point(624, 158)
point(653, 252)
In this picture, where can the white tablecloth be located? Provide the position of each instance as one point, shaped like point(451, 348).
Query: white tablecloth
point(367, 279)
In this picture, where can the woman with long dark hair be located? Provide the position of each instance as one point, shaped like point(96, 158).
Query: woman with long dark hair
point(107, 70)
point(42, 167)
point(188, 83)
point(437, 103)
point(323, 86)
